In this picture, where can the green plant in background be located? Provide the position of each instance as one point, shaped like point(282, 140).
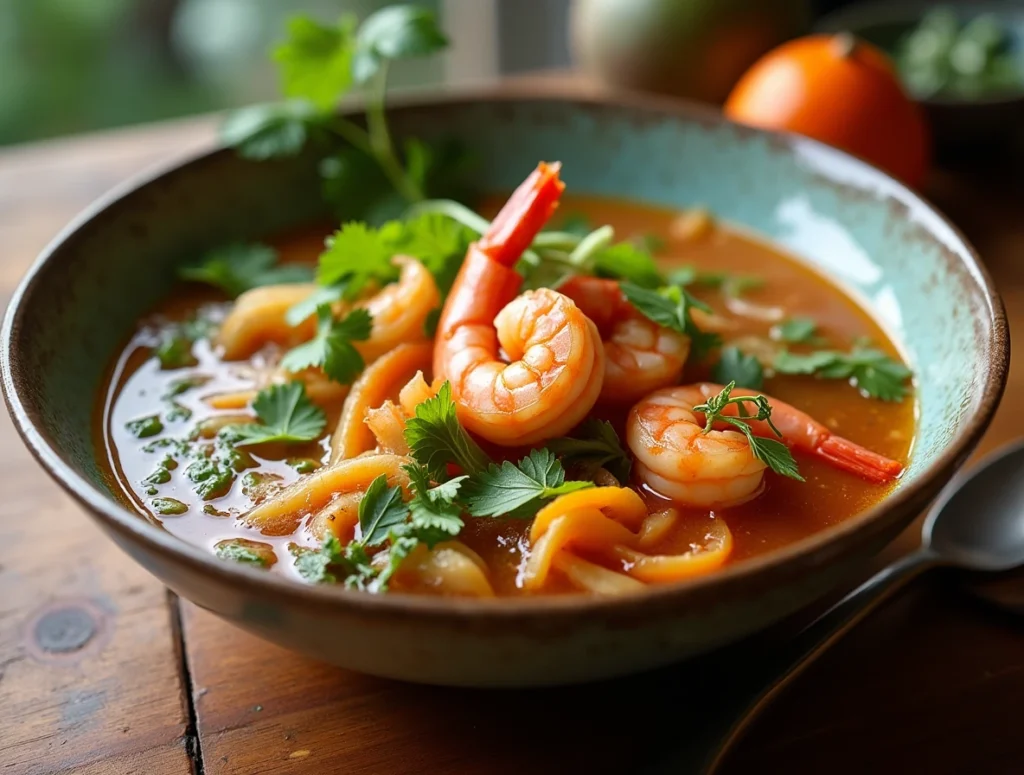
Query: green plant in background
point(363, 172)
point(941, 56)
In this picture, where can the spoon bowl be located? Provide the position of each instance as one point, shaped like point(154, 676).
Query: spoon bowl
point(978, 523)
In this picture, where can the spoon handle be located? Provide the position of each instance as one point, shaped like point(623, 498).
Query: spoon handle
point(751, 684)
point(790, 659)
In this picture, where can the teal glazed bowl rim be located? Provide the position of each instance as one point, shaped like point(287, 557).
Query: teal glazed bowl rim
point(547, 614)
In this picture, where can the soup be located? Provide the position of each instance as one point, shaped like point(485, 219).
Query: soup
point(566, 415)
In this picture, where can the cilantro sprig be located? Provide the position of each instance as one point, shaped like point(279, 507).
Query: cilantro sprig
point(771, 452)
point(796, 330)
point(238, 268)
point(869, 370)
point(672, 306)
point(319, 65)
point(285, 414)
point(597, 446)
point(331, 348)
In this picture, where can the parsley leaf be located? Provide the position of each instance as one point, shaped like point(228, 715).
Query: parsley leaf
point(237, 268)
point(772, 453)
point(796, 331)
point(873, 372)
point(316, 60)
point(331, 348)
point(626, 261)
point(437, 439)
point(672, 306)
point(516, 491)
point(599, 447)
point(380, 510)
point(273, 131)
point(285, 415)
point(739, 368)
point(395, 32)
point(435, 514)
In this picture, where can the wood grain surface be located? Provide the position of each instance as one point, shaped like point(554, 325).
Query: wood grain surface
point(96, 676)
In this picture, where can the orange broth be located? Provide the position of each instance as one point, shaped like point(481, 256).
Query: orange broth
point(784, 512)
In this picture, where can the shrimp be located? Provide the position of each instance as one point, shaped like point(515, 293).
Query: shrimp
point(555, 363)
point(399, 310)
point(640, 355)
point(676, 458)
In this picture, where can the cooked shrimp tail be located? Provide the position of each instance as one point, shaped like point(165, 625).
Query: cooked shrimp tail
point(846, 455)
point(525, 213)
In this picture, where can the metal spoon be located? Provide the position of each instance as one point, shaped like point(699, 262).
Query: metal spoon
point(977, 524)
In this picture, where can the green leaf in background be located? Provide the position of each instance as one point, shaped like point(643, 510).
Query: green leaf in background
point(238, 268)
point(271, 131)
point(316, 60)
point(395, 32)
point(738, 367)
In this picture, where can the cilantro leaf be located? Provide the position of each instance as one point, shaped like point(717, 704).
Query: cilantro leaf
point(358, 253)
point(671, 307)
point(738, 367)
point(331, 348)
point(395, 32)
point(772, 453)
point(331, 563)
point(870, 370)
point(435, 514)
point(174, 348)
point(299, 312)
point(599, 447)
point(626, 261)
point(285, 415)
point(437, 439)
point(380, 510)
point(401, 547)
point(796, 330)
point(316, 60)
point(274, 131)
point(517, 491)
point(237, 268)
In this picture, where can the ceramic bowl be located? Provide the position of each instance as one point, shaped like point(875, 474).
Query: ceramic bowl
point(875, 237)
point(981, 125)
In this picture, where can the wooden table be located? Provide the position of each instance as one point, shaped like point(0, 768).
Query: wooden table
point(932, 683)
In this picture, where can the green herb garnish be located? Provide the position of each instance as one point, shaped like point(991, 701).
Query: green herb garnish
point(739, 368)
point(871, 371)
point(144, 427)
point(772, 453)
point(672, 307)
point(597, 446)
point(168, 507)
point(285, 415)
point(245, 552)
point(796, 331)
point(438, 440)
point(238, 268)
point(517, 490)
point(331, 348)
point(380, 510)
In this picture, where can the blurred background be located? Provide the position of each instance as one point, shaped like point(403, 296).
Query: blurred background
point(70, 66)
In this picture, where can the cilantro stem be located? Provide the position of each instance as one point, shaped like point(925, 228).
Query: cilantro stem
point(380, 139)
point(454, 210)
point(353, 134)
point(588, 247)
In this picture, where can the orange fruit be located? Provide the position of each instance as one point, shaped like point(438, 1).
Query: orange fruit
point(841, 91)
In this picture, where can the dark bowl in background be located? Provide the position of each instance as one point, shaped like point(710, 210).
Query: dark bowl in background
point(960, 126)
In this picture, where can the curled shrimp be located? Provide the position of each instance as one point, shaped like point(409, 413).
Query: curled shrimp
point(399, 310)
point(675, 457)
point(640, 355)
point(522, 368)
